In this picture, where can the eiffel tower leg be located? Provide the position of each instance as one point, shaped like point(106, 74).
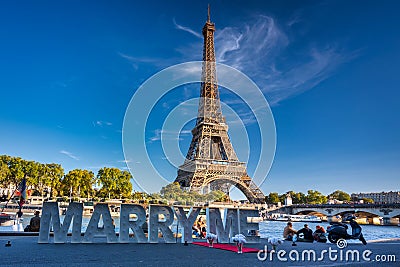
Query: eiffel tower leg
point(228, 146)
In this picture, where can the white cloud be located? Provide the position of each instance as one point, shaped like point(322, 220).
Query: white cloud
point(125, 161)
point(258, 47)
point(167, 135)
point(101, 123)
point(261, 49)
point(255, 42)
point(69, 154)
point(156, 136)
point(186, 29)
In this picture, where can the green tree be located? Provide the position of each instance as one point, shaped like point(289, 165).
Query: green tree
point(79, 183)
point(282, 198)
point(272, 198)
point(4, 171)
point(16, 166)
point(154, 196)
point(219, 196)
point(171, 191)
point(315, 197)
point(38, 176)
point(114, 183)
point(138, 195)
point(297, 198)
point(55, 173)
point(32, 173)
point(70, 182)
point(340, 195)
point(368, 200)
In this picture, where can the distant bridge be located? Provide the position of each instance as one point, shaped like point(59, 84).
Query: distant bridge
point(386, 211)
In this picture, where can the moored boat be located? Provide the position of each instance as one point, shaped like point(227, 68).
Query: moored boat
point(296, 218)
point(10, 223)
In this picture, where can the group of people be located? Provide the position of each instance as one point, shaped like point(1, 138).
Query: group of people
point(304, 234)
point(199, 228)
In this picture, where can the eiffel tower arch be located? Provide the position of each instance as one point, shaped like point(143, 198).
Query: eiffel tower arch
point(211, 162)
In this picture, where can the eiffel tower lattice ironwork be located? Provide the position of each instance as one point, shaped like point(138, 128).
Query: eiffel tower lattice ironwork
point(211, 162)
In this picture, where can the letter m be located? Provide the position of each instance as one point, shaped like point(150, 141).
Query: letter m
point(224, 229)
point(309, 252)
point(51, 218)
point(355, 255)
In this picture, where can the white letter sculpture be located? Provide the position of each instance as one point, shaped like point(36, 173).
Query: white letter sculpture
point(136, 225)
point(51, 217)
point(245, 226)
point(187, 222)
point(155, 223)
point(224, 230)
point(93, 229)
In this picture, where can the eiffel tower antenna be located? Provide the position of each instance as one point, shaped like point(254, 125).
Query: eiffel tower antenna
point(208, 16)
point(211, 162)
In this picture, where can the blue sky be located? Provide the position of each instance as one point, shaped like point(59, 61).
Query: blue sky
point(329, 70)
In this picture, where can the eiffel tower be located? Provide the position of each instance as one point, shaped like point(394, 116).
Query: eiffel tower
point(211, 162)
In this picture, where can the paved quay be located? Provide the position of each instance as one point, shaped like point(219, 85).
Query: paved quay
point(25, 251)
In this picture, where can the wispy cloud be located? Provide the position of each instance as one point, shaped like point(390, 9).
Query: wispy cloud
point(136, 61)
point(238, 113)
point(69, 154)
point(299, 78)
point(187, 29)
point(260, 45)
point(101, 123)
point(167, 135)
point(261, 48)
point(124, 161)
point(156, 136)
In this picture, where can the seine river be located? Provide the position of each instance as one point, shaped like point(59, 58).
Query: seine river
point(275, 228)
point(370, 232)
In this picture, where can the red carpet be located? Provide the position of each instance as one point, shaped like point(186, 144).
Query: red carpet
point(226, 247)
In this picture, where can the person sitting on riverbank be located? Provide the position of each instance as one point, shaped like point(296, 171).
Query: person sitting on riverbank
point(305, 234)
point(34, 224)
point(319, 234)
point(289, 232)
point(199, 228)
point(202, 226)
point(195, 231)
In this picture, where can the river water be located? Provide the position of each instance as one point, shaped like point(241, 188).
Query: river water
point(370, 232)
point(275, 228)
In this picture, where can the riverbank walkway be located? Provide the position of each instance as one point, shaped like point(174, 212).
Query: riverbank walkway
point(25, 251)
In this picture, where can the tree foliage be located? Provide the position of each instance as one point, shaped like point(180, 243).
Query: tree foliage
point(312, 197)
point(78, 183)
point(55, 174)
point(4, 172)
point(298, 198)
point(315, 197)
point(368, 200)
point(340, 195)
point(272, 198)
point(49, 179)
point(16, 167)
point(173, 193)
point(114, 183)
